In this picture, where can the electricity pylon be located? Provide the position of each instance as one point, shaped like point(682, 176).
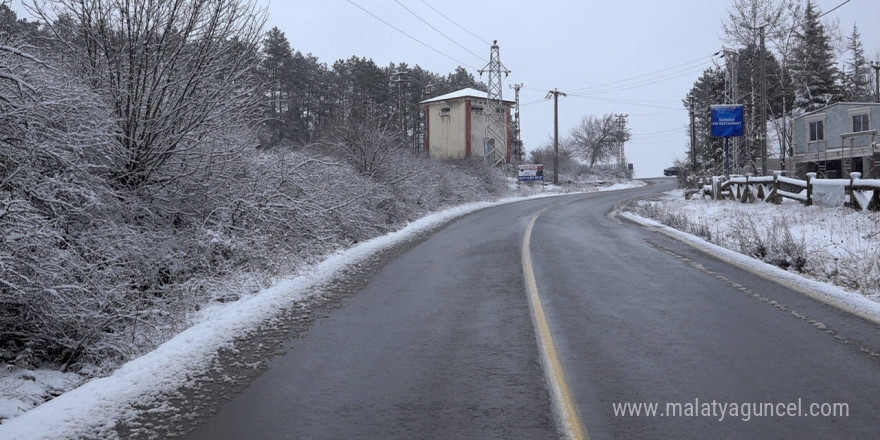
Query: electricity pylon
point(495, 141)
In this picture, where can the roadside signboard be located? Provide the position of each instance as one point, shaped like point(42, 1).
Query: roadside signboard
point(727, 120)
point(531, 173)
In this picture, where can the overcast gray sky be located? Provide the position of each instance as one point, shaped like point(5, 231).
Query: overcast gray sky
point(617, 56)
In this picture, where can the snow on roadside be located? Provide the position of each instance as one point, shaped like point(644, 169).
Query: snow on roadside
point(24, 389)
point(94, 409)
point(831, 245)
point(828, 293)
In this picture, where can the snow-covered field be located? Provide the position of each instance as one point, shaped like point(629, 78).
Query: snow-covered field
point(832, 242)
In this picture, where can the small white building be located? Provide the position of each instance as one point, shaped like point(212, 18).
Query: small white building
point(455, 126)
point(837, 140)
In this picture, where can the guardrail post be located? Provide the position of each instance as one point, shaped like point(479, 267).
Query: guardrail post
point(853, 203)
point(744, 196)
point(810, 177)
point(775, 197)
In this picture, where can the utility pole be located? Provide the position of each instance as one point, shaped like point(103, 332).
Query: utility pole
point(731, 58)
point(399, 77)
point(420, 138)
point(763, 103)
point(517, 142)
point(763, 129)
point(693, 136)
point(876, 67)
point(555, 94)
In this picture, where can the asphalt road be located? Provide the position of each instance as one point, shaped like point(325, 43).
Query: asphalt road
point(441, 342)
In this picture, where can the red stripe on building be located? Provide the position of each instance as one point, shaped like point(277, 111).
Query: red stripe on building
point(467, 129)
point(508, 134)
point(428, 130)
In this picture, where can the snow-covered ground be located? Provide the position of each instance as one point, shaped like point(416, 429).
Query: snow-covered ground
point(93, 409)
point(839, 247)
point(835, 245)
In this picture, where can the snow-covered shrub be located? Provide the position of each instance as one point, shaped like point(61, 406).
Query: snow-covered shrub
point(58, 235)
point(672, 218)
point(749, 239)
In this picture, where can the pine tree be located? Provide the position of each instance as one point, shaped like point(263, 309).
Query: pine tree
point(856, 75)
point(461, 79)
point(361, 90)
point(275, 67)
point(310, 105)
point(813, 68)
point(708, 90)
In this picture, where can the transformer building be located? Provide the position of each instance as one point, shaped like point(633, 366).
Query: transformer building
point(455, 127)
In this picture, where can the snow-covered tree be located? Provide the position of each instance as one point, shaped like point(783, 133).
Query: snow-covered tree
point(65, 262)
point(174, 71)
point(366, 143)
point(783, 40)
point(857, 71)
point(813, 66)
point(596, 139)
point(745, 17)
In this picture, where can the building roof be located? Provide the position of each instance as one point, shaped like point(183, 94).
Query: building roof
point(843, 103)
point(463, 93)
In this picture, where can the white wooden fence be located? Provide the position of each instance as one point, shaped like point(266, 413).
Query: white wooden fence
point(855, 192)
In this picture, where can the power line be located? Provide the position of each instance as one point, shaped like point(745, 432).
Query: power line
point(797, 25)
point(488, 43)
point(411, 37)
point(653, 78)
point(625, 102)
point(646, 83)
point(830, 10)
point(438, 30)
point(537, 101)
point(676, 131)
point(621, 84)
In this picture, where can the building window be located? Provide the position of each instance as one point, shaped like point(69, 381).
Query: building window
point(817, 131)
point(860, 122)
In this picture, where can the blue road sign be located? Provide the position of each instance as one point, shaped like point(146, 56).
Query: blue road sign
point(727, 120)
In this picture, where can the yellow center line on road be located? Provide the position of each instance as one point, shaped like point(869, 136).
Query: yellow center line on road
point(563, 401)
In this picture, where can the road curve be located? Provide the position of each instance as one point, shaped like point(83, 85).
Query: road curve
point(645, 319)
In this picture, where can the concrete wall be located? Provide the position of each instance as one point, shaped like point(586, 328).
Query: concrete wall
point(447, 128)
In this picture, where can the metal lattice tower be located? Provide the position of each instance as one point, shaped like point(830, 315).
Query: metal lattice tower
point(496, 115)
point(621, 154)
point(516, 142)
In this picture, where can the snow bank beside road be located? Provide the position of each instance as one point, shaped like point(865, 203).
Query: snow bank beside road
point(829, 254)
point(836, 245)
point(852, 302)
